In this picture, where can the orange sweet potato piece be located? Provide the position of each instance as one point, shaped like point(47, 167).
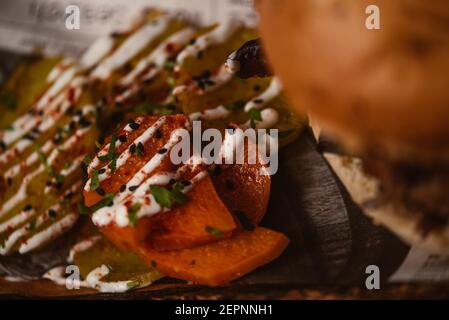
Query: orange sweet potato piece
point(184, 226)
point(212, 264)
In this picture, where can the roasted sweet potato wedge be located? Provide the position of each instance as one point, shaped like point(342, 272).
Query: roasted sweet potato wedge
point(183, 226)
point(213, 264)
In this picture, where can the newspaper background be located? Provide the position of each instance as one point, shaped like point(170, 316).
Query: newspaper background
point(27, 24)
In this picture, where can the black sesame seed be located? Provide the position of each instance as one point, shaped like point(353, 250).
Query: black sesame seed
point(72, 125)
point(122, 138)
point(172, 181)
point(101, 171)
point(101, 192)
point(192, 42)
point(186, 183)
point(256, 88)
point(229, 184)
point(29, 137)
point(118, 104)
point(48, 183)
point(2, 145)
point(79, 113)
point(158, 134)
point(200, 55)
point(132, 148)
point(162, 151)
point(133, 188)
point(134, 126)
point(9, 181)
point(123, 188)
point(52, 213)
point(58, 185)
point(68, 196)
point(28, 207)
point(258, 101)
point(41, 113)
point(84, 123)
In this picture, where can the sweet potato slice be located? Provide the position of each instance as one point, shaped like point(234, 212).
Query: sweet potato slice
point(213, 264)
point(184, 226)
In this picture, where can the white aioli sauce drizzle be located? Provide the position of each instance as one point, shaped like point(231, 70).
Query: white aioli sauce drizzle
point(97, 51)
point(48, 234)
point(82, 246)
point(219, 112)
point(93, 280)
point(130, 47)
point(21, 194)
point(118, 212)
point(124, 156)
point(216, 36)
point(60, 83)
point(52, 113)
point(40, 220)
point(156, 59)
point(59, 68)
point(16, 220)
point(273, 90)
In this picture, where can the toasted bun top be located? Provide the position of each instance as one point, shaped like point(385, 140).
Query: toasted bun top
point(385, 90)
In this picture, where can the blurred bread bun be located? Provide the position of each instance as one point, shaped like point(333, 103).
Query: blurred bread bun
point(385, 89)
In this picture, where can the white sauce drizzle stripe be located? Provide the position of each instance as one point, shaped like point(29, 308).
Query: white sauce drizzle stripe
point(27, 122)
point(23, 231)
point(59, 68)
point(97, 51)
point(124, 156)
point(219, 112)
point(60, 83)
point(130, 47)
point(16, 220)
point(50, 233)
point(216, 36)
point(159, 56)
point(82, 246)
point(93, 280)
point(273, 90)
point(21, 194)
point(32, 158)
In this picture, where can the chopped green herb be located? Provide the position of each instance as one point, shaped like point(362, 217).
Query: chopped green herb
point(139, 149)
point(8, 99)
point(254, 115)
point(113, 164)
point(132, 213)
point(214, 231)
point(87, 160)
point(235, 105)
point(166, 198)
point(107, 200)
point(133, 284)
point(42, 158)
point(169, 65)
point(94, 181)
point(111, 152)
point(82, 209)
point(66, 165)
point(171, 82)
point(32, 224)
point(98, 144)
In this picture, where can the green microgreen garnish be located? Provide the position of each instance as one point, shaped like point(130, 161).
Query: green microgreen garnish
point(169, 65)
point(106, 201)
point(132, 213)
point(214, 231)
point(254, 115)
point(166, 198)
point(94, 181)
